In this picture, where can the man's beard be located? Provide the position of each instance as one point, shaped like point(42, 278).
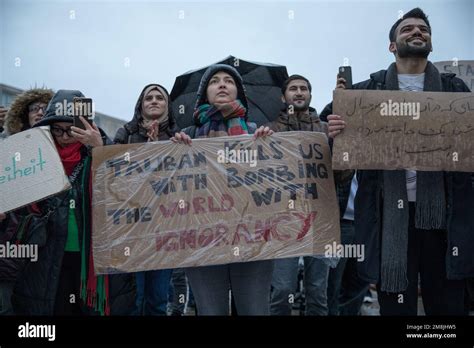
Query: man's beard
point(406, 51)
point(297, 108)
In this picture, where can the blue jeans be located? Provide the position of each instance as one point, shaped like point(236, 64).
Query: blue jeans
point(249, 282)
point(346, 289)
point(178, 292)
point(284, 284)
point(152, 292)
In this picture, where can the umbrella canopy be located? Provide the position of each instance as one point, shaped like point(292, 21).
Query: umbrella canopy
point(262, 83)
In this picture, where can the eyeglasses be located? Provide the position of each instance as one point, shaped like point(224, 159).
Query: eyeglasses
point(58, 131)
point(37, 107)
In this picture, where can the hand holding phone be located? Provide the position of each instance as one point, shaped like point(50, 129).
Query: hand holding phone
point(345, 72)
point(83, 107)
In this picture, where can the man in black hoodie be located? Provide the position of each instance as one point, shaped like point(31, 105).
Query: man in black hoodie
point(432, 239)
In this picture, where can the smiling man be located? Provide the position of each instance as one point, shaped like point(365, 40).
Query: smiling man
point(432, 237)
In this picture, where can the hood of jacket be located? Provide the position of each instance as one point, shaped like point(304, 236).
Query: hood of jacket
point(63, 97)
point(211, 71)
point(17, 116)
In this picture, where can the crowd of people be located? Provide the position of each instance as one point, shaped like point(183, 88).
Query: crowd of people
point(406, 250)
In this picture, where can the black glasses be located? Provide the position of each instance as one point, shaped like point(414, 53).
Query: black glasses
point(37, 107)
point(58, 131)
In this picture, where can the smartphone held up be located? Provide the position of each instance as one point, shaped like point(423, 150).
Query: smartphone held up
point(83, 107)
point(346, 73)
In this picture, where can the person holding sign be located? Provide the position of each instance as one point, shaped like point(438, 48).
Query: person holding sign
point(26, 109)
point(414, 223)
point(152, 121)
point(221, 110)
point(299, 116)
point(62, 280)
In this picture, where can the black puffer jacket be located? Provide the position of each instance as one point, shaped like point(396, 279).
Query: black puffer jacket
point(368, 203)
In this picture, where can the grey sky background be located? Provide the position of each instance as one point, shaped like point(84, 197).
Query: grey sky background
point(111, 49)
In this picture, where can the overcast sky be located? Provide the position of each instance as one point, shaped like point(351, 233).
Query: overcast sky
point(111, 49)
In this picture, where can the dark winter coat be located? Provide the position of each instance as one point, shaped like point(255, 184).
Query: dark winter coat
point(301, 122)
point(368, 203)
point(37, 284)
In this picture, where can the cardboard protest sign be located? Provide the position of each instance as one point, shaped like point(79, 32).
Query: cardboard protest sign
point(429, 131)
point(464, 69)
point(30, 169)
point(221, 200)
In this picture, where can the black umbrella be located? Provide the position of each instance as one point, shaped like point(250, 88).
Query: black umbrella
point(262, 82)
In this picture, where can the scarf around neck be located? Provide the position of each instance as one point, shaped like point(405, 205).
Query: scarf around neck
point(219, 120)
point(94, 289)
point(430, 211)
point(70, 156)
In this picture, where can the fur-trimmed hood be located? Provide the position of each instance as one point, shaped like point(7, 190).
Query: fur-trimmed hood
point(17, 116)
